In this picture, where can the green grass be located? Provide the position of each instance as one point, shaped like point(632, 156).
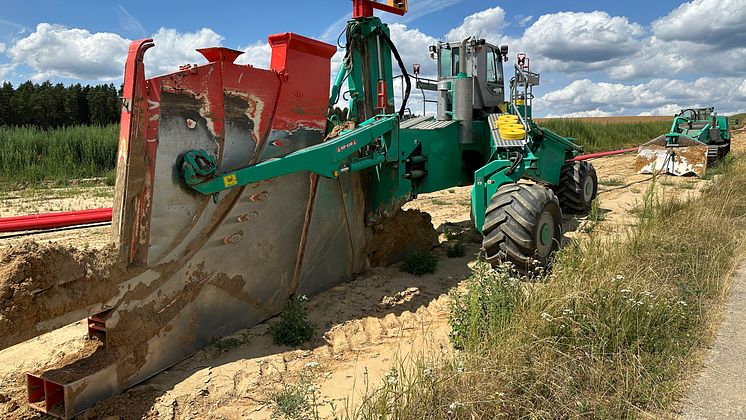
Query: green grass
point(595, 137)
point(29, 155)
point(615, 331)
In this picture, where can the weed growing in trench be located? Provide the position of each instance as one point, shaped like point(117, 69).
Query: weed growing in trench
point(294, 328)
point(420, 262)
point(302, 399)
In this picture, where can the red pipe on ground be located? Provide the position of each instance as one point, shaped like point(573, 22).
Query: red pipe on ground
point(601, 154)
point(83, 217)
point(54, 220)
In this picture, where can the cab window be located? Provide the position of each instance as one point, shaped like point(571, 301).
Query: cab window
point(491, 66)
point(448, 62)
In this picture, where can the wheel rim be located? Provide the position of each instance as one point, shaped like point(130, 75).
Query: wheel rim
point(545, 234)
point(588, 189)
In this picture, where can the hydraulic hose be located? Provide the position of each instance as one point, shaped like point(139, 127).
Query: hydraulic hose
point(514, 165)
point(403, 72)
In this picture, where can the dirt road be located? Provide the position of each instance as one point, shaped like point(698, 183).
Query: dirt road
point(382, 319)
point(719, 391)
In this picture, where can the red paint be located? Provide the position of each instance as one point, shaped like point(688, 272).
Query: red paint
point(382, 96)
point(133, 134)
point(54, 220)
point(306, 64)
point(364, 8)
point(214, 54)
point(601, 154)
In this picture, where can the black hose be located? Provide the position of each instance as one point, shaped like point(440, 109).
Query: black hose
point(514, 165)
point(403, 72)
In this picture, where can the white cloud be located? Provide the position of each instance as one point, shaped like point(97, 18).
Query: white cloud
point(54, 51)
point(412, 45)
point(486, 24)
point(668, 109)
point(572, 42)
point(712, 22)
point(699, 37)
point(655, 96)
point(57, 51)
point(173, 48)
point(5, 69)
point(2, 47)
point(524, 20)
point(257, 54)
point(741, 92)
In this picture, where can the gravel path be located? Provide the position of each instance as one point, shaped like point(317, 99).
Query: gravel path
point(720, 389)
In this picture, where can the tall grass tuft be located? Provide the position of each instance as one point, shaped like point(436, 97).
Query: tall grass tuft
point(614, 332)
point(29, 154)
point(595, 137)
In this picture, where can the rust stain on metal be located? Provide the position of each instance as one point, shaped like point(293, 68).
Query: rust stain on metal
point(260, 196)
point(247, 216)
point(233, 238)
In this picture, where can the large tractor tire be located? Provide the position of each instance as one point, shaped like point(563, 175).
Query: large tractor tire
point(577, 188)
point(523, 225)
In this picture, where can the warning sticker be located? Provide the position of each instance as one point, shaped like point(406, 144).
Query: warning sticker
point(230, 180)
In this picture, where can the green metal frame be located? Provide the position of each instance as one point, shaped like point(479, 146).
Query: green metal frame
point(327, 159)
point(403, 162)
point(701, 135)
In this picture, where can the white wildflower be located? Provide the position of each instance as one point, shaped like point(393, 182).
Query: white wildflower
point(626, 291)
point(460, 367)
point(455, 405)
point(619, 277)
point(311, 365)
point(567, 312)
point(391, 377)
point(682, 303)
point(546, 317)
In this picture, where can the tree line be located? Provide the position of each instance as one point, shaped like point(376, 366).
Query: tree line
point(48, 105)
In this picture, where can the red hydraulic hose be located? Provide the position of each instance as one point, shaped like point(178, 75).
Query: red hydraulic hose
point(54, 220)
point(601, 154)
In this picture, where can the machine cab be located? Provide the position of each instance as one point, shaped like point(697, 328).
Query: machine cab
point(484, 62)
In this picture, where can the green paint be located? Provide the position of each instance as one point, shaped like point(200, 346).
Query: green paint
point(401, 162)
point(545, 236)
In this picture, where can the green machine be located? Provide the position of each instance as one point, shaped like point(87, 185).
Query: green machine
point(698, 138)
point(478, 137)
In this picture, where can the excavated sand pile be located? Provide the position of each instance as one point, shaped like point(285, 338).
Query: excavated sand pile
point(40, 282)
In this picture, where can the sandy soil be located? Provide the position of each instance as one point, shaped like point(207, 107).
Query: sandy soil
point(365, 327)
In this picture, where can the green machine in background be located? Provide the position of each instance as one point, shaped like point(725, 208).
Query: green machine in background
point(698, 138)
point(476, 138)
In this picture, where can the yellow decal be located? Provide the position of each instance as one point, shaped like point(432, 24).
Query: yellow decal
point(230, 180)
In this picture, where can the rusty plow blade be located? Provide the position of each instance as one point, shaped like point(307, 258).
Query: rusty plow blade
point(688, 157)
point(196, 268)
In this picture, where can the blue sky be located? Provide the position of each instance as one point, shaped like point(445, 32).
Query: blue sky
point(596, 58)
